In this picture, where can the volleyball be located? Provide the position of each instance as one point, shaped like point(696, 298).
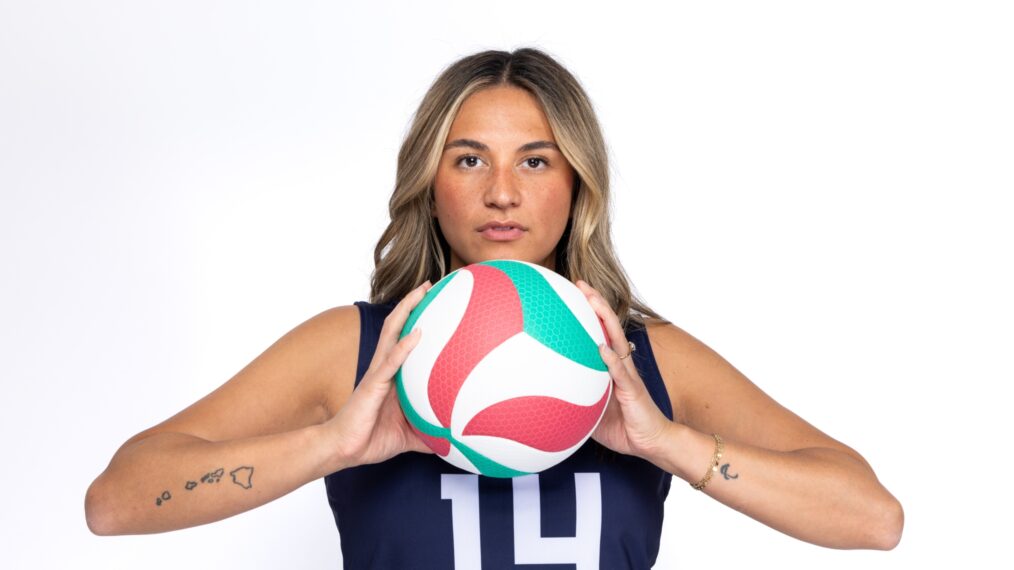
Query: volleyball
point(506, 379)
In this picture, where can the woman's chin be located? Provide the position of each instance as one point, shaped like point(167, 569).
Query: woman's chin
point(547, 262)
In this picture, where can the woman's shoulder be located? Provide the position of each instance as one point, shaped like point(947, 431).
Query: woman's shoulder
point(685, 363)
point(300, 380)
point(328, 343)
point(318, 357)
point(670, 341)
point(331, 335)
point(335, 319)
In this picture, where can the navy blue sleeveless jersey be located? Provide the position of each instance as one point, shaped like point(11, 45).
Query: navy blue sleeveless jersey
point(597, 509)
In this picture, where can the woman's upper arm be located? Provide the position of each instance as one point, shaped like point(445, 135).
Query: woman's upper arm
point(298, 381)
point(710, 395)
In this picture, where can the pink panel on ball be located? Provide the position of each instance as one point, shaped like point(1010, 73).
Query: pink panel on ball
point(439, 445)
point(493, 315)
point(547, 424)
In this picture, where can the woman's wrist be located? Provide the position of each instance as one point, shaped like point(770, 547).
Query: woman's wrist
point(325, 451)
point(684, 452)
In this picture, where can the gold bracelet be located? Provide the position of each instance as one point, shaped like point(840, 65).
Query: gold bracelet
point(719, 446)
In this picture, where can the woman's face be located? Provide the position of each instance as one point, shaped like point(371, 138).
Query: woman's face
point(503, 188)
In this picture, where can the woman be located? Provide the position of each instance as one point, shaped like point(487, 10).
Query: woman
point(504, 159)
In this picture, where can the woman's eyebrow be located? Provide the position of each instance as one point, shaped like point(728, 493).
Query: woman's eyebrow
point(538, 145)
point(466, 143)
point(476, 145)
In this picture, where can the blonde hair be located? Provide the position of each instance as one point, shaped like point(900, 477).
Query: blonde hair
point(412, 248)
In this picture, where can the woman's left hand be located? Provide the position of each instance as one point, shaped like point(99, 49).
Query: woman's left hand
point(632, 423)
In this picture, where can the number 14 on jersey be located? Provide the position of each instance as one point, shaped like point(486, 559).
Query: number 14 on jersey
point(530, 547)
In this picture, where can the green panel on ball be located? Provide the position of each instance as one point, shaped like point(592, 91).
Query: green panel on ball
point(413, 416)
point(547, 318)
point(485, 465)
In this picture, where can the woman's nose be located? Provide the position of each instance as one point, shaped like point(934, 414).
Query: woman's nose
point(502, 191)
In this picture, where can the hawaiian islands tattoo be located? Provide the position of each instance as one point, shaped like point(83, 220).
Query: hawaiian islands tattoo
point(213, 477)
point(725, 473)
point(242, 476)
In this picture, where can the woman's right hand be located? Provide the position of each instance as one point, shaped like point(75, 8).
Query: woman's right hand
point(371, 427)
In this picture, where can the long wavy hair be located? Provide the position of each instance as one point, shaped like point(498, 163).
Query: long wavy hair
point(412, 249)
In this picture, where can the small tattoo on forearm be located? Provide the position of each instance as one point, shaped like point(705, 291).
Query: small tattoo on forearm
point(725, 473)
point(213, 477)
point(243, 476)
point(162, 498)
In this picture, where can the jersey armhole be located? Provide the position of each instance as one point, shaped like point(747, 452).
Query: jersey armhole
point(371, 321)
point(647, 367)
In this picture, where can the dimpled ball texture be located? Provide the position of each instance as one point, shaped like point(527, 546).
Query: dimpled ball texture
point(506, 379)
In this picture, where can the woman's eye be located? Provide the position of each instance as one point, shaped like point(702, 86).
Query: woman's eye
point(534, 162)
point(469, 161)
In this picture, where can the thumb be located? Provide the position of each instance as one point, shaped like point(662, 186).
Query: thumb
point(383, 374)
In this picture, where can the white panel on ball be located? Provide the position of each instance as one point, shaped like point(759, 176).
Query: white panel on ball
point(457, 459)
point(522, 366)
point(438, 323)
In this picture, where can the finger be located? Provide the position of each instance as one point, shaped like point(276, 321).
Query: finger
point(612, 409)
point(628, 382)
point(415, 443)
point(395, 321)
point(603, 311)
point(399, 315)
point(614, 330)
point(618, 369)
point(384, 367)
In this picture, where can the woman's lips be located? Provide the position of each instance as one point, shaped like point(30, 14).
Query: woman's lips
point(502, 233)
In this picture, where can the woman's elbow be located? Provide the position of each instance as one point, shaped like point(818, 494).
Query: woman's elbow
point(99, 512)
point(887, 526)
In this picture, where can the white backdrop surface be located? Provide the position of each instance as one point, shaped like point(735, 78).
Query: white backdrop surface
point(819, 192)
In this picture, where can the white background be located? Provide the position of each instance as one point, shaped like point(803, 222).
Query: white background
point(817, 191)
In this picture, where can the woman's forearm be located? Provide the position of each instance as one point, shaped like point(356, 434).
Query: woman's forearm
point(169, 481)
point(820, 495)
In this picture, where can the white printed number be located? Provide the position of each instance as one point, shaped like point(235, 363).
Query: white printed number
point(530, 547)
point(463, 492)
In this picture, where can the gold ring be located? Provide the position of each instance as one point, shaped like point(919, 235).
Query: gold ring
point(632, 346)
